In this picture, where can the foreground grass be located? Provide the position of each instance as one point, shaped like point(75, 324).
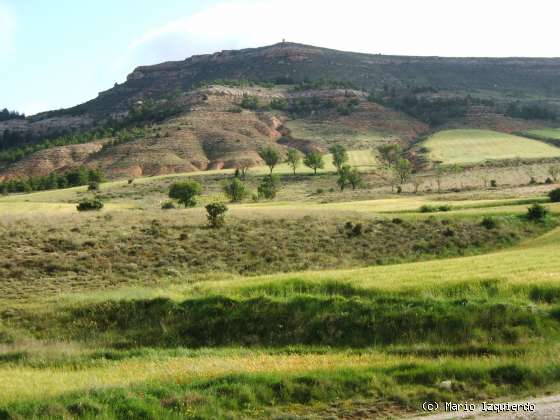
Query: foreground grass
point(471, 146)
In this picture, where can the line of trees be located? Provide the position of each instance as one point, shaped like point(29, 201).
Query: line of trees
point(74, 178)
point(6, 114)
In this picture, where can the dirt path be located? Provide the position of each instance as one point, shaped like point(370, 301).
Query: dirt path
point(547, 408)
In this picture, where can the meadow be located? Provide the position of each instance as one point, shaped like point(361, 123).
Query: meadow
point(476, 146)
point(319, 303)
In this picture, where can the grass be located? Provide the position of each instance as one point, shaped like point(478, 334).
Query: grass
point(290, 310)
point(547, 133)
point(473, 146)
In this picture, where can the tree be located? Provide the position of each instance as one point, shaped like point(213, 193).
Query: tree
point(440, 172)
point(355, 178)
point(403, 170)
point(343, 177)
point(270, 156)
point(235, 190)
point(555, 195)
point(185, 192)
point(269, 187)
point(390, 153)
point(216, 214)
point(416, 182)
point(293, 159)
point(339, 156)
point(554, 172)
point(314, 160)
point(243, 167)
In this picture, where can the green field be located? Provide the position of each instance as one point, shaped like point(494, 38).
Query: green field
point(473, 146)
point(547, 133)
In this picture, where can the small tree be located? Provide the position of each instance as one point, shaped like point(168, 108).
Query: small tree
point(235, 190)
point(343, 177)
point(242, 167)
point(269, 187)
point(216, 214)
point(293, 159)
point(440, 172)
point(390, 153)
point(339, 156)
point(250, 102)
point(554, 172)
point(270, 156)
point(403, 170)
point(185, 192)
point(417, 181)
point(314, 160)
point(355, 178)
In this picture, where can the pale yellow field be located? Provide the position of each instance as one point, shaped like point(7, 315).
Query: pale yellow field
point(471, 146)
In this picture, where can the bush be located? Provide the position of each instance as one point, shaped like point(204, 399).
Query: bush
point(555, 195)
point(90, 205)
point(93, 186)
point(493, 183)
point(235, 190)
point(427, 209)
point(489, 223)
point(168, 205)
point(269, 187)
point(536, 212)
point(250, 102)
point(216, 214)
point(548, 181)
point(185, 192)
point(444, 207)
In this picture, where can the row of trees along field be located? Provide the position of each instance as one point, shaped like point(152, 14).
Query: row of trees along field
point(73, 178)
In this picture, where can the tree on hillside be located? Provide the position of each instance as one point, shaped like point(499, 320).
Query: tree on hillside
point(343, 177)
point(270, 156)
point(216, 214)
point(185, 192)
point(235, 190)
point(314, 160)
point(242, 167)
point(355, 178)
point(403, 170)
point(339, 156)
point(390, 153)
point(293, 159)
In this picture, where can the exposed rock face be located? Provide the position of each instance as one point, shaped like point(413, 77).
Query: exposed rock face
point(39, 126)
point(56, 159)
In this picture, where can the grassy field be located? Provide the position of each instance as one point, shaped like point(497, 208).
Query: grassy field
point(314, 304)
point(548, 133)
point(473, 146)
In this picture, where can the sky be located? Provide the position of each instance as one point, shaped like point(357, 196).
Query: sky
point(59, 53)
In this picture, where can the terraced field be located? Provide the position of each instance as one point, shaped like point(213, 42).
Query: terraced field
point(473, 146)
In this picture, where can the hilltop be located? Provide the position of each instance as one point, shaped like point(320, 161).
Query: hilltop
point(192, 118)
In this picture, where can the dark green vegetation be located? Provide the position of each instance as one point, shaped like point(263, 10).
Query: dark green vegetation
point(6, 114)
point(185, 192)
point(90, 205)
point(73, 178)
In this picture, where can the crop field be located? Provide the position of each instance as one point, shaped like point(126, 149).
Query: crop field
point(333, 304)
point(472, 146)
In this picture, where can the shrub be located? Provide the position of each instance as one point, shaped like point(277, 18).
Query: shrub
point(235, 190)
point(444, 207)
point(216, 214)
point(93, 186)
point(489, 223)
point(279, 104)
point(493, 183)
point(555, 195)
point(89, 205)
point(536, 212)
point(548, 181)
point(185, 192)
point(269, 187)
point(168, 205)
point(426, 208)
point(250, 102)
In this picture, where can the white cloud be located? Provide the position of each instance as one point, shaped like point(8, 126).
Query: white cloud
point(7, 28)
point(409, 27)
